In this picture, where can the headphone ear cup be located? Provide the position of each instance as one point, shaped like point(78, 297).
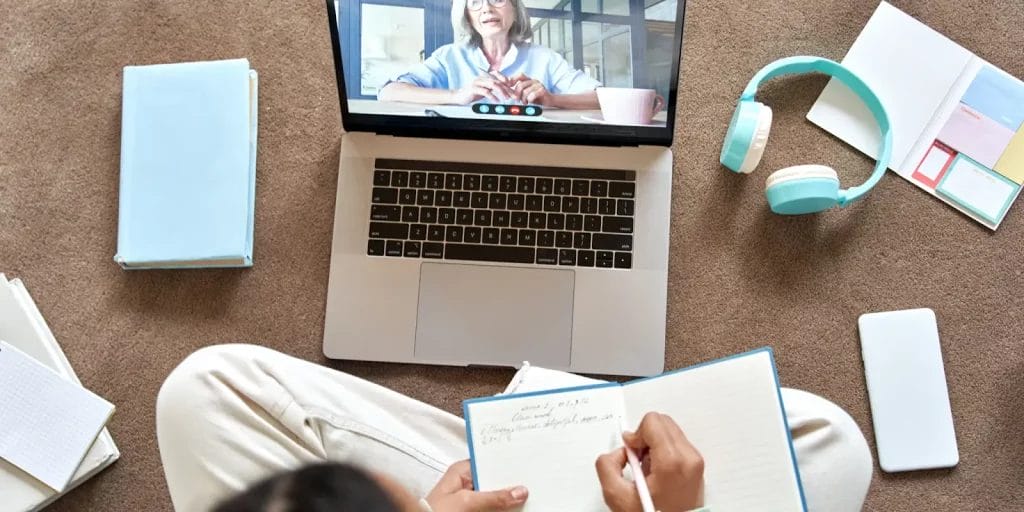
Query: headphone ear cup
point(761, 132)
point(802, 189)
point(747, 136)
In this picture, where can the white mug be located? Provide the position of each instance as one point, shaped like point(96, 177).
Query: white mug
point(621, 105)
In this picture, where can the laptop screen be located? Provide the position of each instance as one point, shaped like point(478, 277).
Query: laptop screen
point(577, 71)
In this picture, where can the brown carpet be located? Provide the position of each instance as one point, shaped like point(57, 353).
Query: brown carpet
point(739, 277)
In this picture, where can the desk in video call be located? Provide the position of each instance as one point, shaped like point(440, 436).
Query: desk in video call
point(415, 109)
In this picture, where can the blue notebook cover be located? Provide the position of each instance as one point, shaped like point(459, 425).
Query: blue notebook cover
point(188, 165)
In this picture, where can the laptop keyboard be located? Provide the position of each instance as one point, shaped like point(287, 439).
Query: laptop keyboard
point(499, 213)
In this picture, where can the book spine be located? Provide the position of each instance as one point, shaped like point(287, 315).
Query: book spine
point(128, 99)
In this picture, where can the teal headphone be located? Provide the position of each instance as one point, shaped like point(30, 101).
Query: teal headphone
point(802, 188)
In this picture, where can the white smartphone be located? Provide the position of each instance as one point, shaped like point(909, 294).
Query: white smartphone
point(907, 389)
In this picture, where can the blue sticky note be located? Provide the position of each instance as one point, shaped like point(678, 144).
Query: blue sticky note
point(997, 96)
point(188, 165)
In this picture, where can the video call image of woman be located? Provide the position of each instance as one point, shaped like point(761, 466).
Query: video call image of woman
point(493, 60)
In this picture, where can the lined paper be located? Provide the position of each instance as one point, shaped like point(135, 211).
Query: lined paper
point(731, 412)
point(548, 443)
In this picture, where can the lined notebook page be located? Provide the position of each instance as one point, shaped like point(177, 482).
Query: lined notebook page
point(730, 410)
point(47, 423)
point(547, 442)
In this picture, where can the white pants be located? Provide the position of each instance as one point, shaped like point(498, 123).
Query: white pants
point(231, 415)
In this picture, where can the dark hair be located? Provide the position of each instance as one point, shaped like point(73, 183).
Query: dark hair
point(316, 488)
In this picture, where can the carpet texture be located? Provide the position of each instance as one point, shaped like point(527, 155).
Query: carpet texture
point(739, 277)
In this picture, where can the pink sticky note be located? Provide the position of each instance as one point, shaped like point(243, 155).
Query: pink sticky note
point(975, 135)
point(934, 164)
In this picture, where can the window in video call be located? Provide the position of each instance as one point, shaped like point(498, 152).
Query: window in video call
point(566, 61)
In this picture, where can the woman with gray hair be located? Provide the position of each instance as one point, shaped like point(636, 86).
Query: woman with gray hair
point(493, 60)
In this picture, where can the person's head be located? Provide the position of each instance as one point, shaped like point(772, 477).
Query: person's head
point(322, 488)
point(476, 20)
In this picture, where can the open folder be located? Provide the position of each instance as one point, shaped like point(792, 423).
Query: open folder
point(957, 120)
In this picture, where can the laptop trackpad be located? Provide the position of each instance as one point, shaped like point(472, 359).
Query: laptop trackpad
point(494, 315)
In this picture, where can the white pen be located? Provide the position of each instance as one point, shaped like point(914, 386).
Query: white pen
point(638, 477)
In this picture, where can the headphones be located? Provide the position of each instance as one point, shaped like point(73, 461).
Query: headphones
point(802, 188)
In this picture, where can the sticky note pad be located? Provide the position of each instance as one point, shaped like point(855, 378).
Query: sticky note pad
point(47, 423)
point(1011, 163)
point(976, 135)
point(997, 95)
point(934, 163)
point(978, 189)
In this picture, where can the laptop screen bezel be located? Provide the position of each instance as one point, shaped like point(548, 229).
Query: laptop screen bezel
point(512, 131)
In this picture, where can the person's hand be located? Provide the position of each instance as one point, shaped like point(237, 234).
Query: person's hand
point(673, 468)
point(530, 91)
point(454, 493)
point(484, 86)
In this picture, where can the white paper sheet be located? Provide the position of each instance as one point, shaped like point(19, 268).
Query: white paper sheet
point(47, 423)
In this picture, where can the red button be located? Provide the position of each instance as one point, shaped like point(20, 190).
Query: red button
point(513, 110)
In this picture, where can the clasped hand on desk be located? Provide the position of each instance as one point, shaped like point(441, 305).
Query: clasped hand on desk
point(498, 88)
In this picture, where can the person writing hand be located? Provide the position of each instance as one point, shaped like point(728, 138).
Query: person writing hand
point(673, 468)
point(454, 493)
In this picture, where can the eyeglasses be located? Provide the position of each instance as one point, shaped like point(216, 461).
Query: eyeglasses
point(476, 5)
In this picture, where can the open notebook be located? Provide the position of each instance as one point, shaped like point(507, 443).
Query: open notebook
point(22, 325)
point(958, 121)
point(730, 409)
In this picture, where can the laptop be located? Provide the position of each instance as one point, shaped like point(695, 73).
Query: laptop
point(486, 212)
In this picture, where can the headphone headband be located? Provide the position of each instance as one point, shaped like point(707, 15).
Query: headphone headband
point(806, 64)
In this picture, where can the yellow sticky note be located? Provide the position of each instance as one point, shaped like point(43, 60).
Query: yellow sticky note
point(1011, 164)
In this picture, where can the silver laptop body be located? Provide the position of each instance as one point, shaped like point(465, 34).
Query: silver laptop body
point(471, 284)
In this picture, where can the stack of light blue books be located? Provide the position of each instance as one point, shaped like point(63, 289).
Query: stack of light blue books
point(188, 165)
